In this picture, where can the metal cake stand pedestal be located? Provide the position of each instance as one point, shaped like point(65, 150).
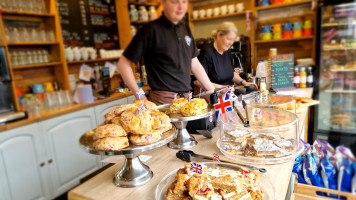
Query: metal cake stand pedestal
point(183, 139)
point(133, 172)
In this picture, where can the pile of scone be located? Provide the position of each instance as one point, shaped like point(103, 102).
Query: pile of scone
point(124, 124)
point(257, 145)
point(215, 184)
point(187, 108)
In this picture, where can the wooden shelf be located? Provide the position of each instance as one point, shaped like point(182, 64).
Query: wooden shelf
point(36, 65)
point(341, 91)
point(10, 12)
point(336, 24)
point(30, 43)
point(92, 60)
point(219, 16)
point(139, 22)
point(283, 40)
point(342, 70)
point(340, 49)
point(144, 4)
point(260, 8)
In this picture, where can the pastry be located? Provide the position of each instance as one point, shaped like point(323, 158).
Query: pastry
point(148, 104)
point(265, 149)
point(109, 130)
point(160, 121)
point(177, 105)
point(116, 112)
point(111, 143)
point(134, 123)
point(145, 139)
point(194, 107)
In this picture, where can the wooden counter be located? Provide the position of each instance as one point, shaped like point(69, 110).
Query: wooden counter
point(162, 162)
point(46, 114)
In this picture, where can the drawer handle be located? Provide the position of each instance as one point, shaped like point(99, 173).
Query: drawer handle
point(50, 161)
point(42, 164)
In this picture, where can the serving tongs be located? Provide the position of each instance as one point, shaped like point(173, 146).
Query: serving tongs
point(186, 155)
point(245, 121)
point(213, 94)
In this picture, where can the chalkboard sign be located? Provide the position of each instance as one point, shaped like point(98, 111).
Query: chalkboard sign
point(282, 71)
point(90, 23)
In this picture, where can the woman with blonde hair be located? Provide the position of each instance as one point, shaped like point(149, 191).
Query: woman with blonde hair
point(216, 58)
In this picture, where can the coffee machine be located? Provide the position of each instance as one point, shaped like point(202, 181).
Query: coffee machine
point(7, 111)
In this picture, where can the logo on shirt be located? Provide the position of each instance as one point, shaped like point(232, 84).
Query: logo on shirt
point(188, 40)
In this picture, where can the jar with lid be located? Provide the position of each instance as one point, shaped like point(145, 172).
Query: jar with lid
point(310, 76)
point(142, 14)
point(152, 14)
point(296, 79)
point(303, 77)
point(133, 13)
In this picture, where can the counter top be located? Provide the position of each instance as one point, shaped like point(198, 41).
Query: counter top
point(47, 114)
point(163, 161)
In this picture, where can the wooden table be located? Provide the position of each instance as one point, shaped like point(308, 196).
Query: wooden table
point(162, 162)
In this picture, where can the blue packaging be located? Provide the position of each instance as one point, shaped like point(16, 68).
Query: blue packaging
point(298, 169)
point(344, 176)
point(328, 175)
point(311, 174)
point(353, 181)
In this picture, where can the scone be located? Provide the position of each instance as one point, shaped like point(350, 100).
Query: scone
point(194, 107)
point(111, 143)
point(160, 121)
point(148, 104)
point(116, 112)
point(134, 123)
point(145, 139)
point(177, 105)
point(109, 130)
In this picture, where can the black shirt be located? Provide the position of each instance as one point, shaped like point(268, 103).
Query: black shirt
point(218, 67)
point(168, 50)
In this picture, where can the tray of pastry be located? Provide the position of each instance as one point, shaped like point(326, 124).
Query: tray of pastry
point(128, 129)
point(217, 181)
point(87, 142)
point(183, 110)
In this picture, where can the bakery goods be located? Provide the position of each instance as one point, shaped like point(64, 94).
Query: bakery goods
point(148, 104)
point(177, 105)
point(134, 123)
point(111, 143)
point(160, 121)
point(109, 130)
point(116, 112)
point(194, 107)
point(145, 139)
point(215, 184)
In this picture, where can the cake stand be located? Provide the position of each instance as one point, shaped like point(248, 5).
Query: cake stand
point(133, 172)
point(183, 139)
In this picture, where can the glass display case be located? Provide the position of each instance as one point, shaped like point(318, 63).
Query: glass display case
point(335, 117)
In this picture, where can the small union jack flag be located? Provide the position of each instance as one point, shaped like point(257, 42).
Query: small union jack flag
point(216, 157)
point(141, 108)
point(223, 104)
point(190, 96)
point(196, 168)
point(175, 96)
point(140, 93)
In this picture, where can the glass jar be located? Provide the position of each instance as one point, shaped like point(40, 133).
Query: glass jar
point(142, 14)
point(133, 13)
point(152, 14)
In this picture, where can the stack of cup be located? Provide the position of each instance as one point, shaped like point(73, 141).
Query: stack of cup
point(266, 32)
point(307, 28)
point(297, 29)
point(277, 31)
point(287, 30)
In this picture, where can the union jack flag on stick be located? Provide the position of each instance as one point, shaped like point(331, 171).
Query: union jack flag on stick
point(216, 157)
point(141, 108)
point(196, 168)
point(140, 93)
point(223, 105)
point(175, 96)
point(190, 96)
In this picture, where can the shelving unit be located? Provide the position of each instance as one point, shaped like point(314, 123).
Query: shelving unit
point(93, 60)
point(343, 70)
point(25, 75)
point(283, 40)
point(283, 5)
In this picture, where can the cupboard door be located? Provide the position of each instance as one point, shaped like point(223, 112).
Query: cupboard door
point(102, 109)
point(131, 99)
point(21, 155)
point(69, 163)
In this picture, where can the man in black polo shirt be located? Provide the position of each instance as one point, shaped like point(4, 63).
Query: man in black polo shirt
point(170, 54)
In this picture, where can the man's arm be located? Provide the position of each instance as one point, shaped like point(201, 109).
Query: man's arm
point(124, 66)
point(200, 74)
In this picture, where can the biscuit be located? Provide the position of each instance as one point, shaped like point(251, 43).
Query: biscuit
point(177, 105)
point(111, 143)
point(161, 121)
point(116, 112)
point(194, 107)
point(148, 104)
point(109, 130)
point(145, 139)
point(134, 123)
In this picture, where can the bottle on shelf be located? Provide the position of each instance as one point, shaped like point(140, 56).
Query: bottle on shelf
point(142, 14)
point(310, 76)
point(152, 14)
point(296, 80)
point(133, 13)
point(303, 77)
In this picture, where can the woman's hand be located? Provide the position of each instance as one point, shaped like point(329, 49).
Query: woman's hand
point(248, 83)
